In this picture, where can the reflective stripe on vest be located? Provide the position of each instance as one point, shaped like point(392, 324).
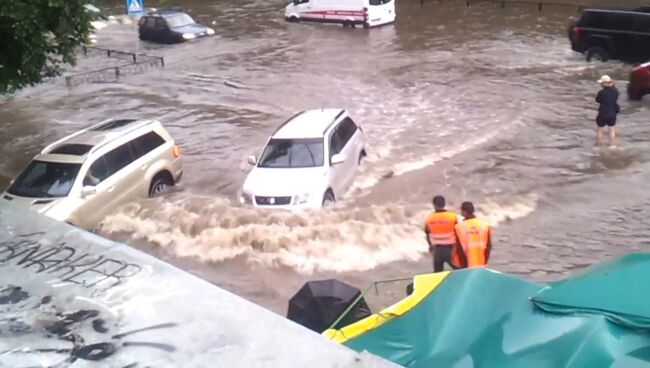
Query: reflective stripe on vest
point(441, 227)
point(473, 235)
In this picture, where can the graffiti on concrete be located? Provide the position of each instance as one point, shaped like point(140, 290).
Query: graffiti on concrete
point(65, 262)
point(24, 315)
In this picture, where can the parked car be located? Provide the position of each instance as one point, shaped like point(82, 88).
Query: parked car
point(605, 34)
point(639, 82)
point(308, 162)
point(349, 13)
point(85, 176)
point(171, 26)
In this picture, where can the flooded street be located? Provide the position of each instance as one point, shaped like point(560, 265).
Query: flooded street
point(477, 103)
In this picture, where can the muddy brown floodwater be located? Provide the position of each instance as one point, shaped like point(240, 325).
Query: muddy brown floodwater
point(478, 103)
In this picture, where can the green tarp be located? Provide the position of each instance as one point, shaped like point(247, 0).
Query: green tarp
point(619, 290)
point(480, 318)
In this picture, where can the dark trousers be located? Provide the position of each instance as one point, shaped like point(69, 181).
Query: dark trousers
point(441, 254)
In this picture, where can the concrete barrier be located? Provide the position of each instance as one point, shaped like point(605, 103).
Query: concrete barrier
point(71, 298)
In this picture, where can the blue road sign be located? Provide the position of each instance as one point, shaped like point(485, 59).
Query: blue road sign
point(133, 7)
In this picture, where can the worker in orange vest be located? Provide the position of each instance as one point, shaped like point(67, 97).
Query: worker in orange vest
point(474, 240)
point(440, 232)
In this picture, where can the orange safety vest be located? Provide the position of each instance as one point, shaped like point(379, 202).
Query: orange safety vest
point(441, 227)
point(473, 235)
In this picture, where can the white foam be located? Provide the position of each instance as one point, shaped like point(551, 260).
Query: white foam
point(344, 239)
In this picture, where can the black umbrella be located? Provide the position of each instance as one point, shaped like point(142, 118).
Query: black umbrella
point(320, 303)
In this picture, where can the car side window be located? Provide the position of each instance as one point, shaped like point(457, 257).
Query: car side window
point(150, 23)
point(642, 23)
point(119, 158)
point(596, 20)
point(623, 22)
point(146, 143)
point(335, 142)
point(347, 129)
point(160, 23)
point(97, 172)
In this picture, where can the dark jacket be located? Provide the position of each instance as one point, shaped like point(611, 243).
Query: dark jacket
point(608, 100)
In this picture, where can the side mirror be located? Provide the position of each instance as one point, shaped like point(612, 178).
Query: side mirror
point(88, 191)
point(338, 158)
point(252, 160)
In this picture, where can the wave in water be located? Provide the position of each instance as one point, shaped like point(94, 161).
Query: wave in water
point(340, 239)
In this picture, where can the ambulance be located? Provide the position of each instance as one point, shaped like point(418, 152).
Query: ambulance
point(349, 13)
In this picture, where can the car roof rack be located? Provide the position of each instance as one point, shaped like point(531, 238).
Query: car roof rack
point(96, 128)
point(50, 146)
point(627, 9)
point(137, 125)
point(161, 11)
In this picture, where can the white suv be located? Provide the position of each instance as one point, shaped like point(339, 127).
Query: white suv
point(85, 176)
point(309, 161)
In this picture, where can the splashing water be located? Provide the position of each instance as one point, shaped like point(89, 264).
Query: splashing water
point(341, 239)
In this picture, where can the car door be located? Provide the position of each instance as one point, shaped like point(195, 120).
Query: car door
point(143, 149)
point(303, 8)
point(337, 171)
point(94, 207)
point(161, 31)
point(150, 28)
point(143, 28)
point(115, 182)
point(350, 140)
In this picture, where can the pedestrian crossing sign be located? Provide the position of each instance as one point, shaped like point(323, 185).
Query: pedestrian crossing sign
point(133, 7)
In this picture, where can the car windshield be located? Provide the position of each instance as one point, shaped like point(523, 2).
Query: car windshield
point(45, 179)
point(293, 153)
point(179, 20)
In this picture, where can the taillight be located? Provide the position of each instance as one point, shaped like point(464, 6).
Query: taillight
point(176, 151)
point(575, 34)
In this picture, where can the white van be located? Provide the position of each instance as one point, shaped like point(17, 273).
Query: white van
point(368, 13)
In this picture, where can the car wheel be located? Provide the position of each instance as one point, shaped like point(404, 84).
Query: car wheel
point(596, 53)
point(366, 25)
point(293, 19)
point(159, 184)
point(328, 199)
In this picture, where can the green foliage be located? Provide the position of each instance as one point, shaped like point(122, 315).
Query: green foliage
point(38, 37)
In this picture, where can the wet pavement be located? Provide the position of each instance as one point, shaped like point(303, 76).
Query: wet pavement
point(476, 103)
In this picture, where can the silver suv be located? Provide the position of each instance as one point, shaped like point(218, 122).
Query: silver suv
point(85, 176)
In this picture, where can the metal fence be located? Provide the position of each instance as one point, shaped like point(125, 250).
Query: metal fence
point(503, 3)
point(137, 63)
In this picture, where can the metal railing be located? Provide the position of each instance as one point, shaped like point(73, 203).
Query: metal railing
point(502, 3)
point(363, 295)
point(138, 63)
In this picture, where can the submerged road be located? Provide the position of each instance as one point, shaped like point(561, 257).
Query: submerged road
point(475, 103)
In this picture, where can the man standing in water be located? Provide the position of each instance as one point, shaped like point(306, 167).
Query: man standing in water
point(440, 233)
point(474, 240)
point(608, 100)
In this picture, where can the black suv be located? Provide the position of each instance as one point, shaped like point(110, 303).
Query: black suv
point(612, 34)
point(171, 26)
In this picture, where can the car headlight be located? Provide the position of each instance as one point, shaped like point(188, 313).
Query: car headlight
point(210, 31)
point(188, 36)
point(300, 199)
point(246, 198)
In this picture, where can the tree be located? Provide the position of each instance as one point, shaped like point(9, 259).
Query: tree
point(38, 37)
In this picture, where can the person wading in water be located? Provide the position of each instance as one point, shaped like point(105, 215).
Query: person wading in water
point(608, 100)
